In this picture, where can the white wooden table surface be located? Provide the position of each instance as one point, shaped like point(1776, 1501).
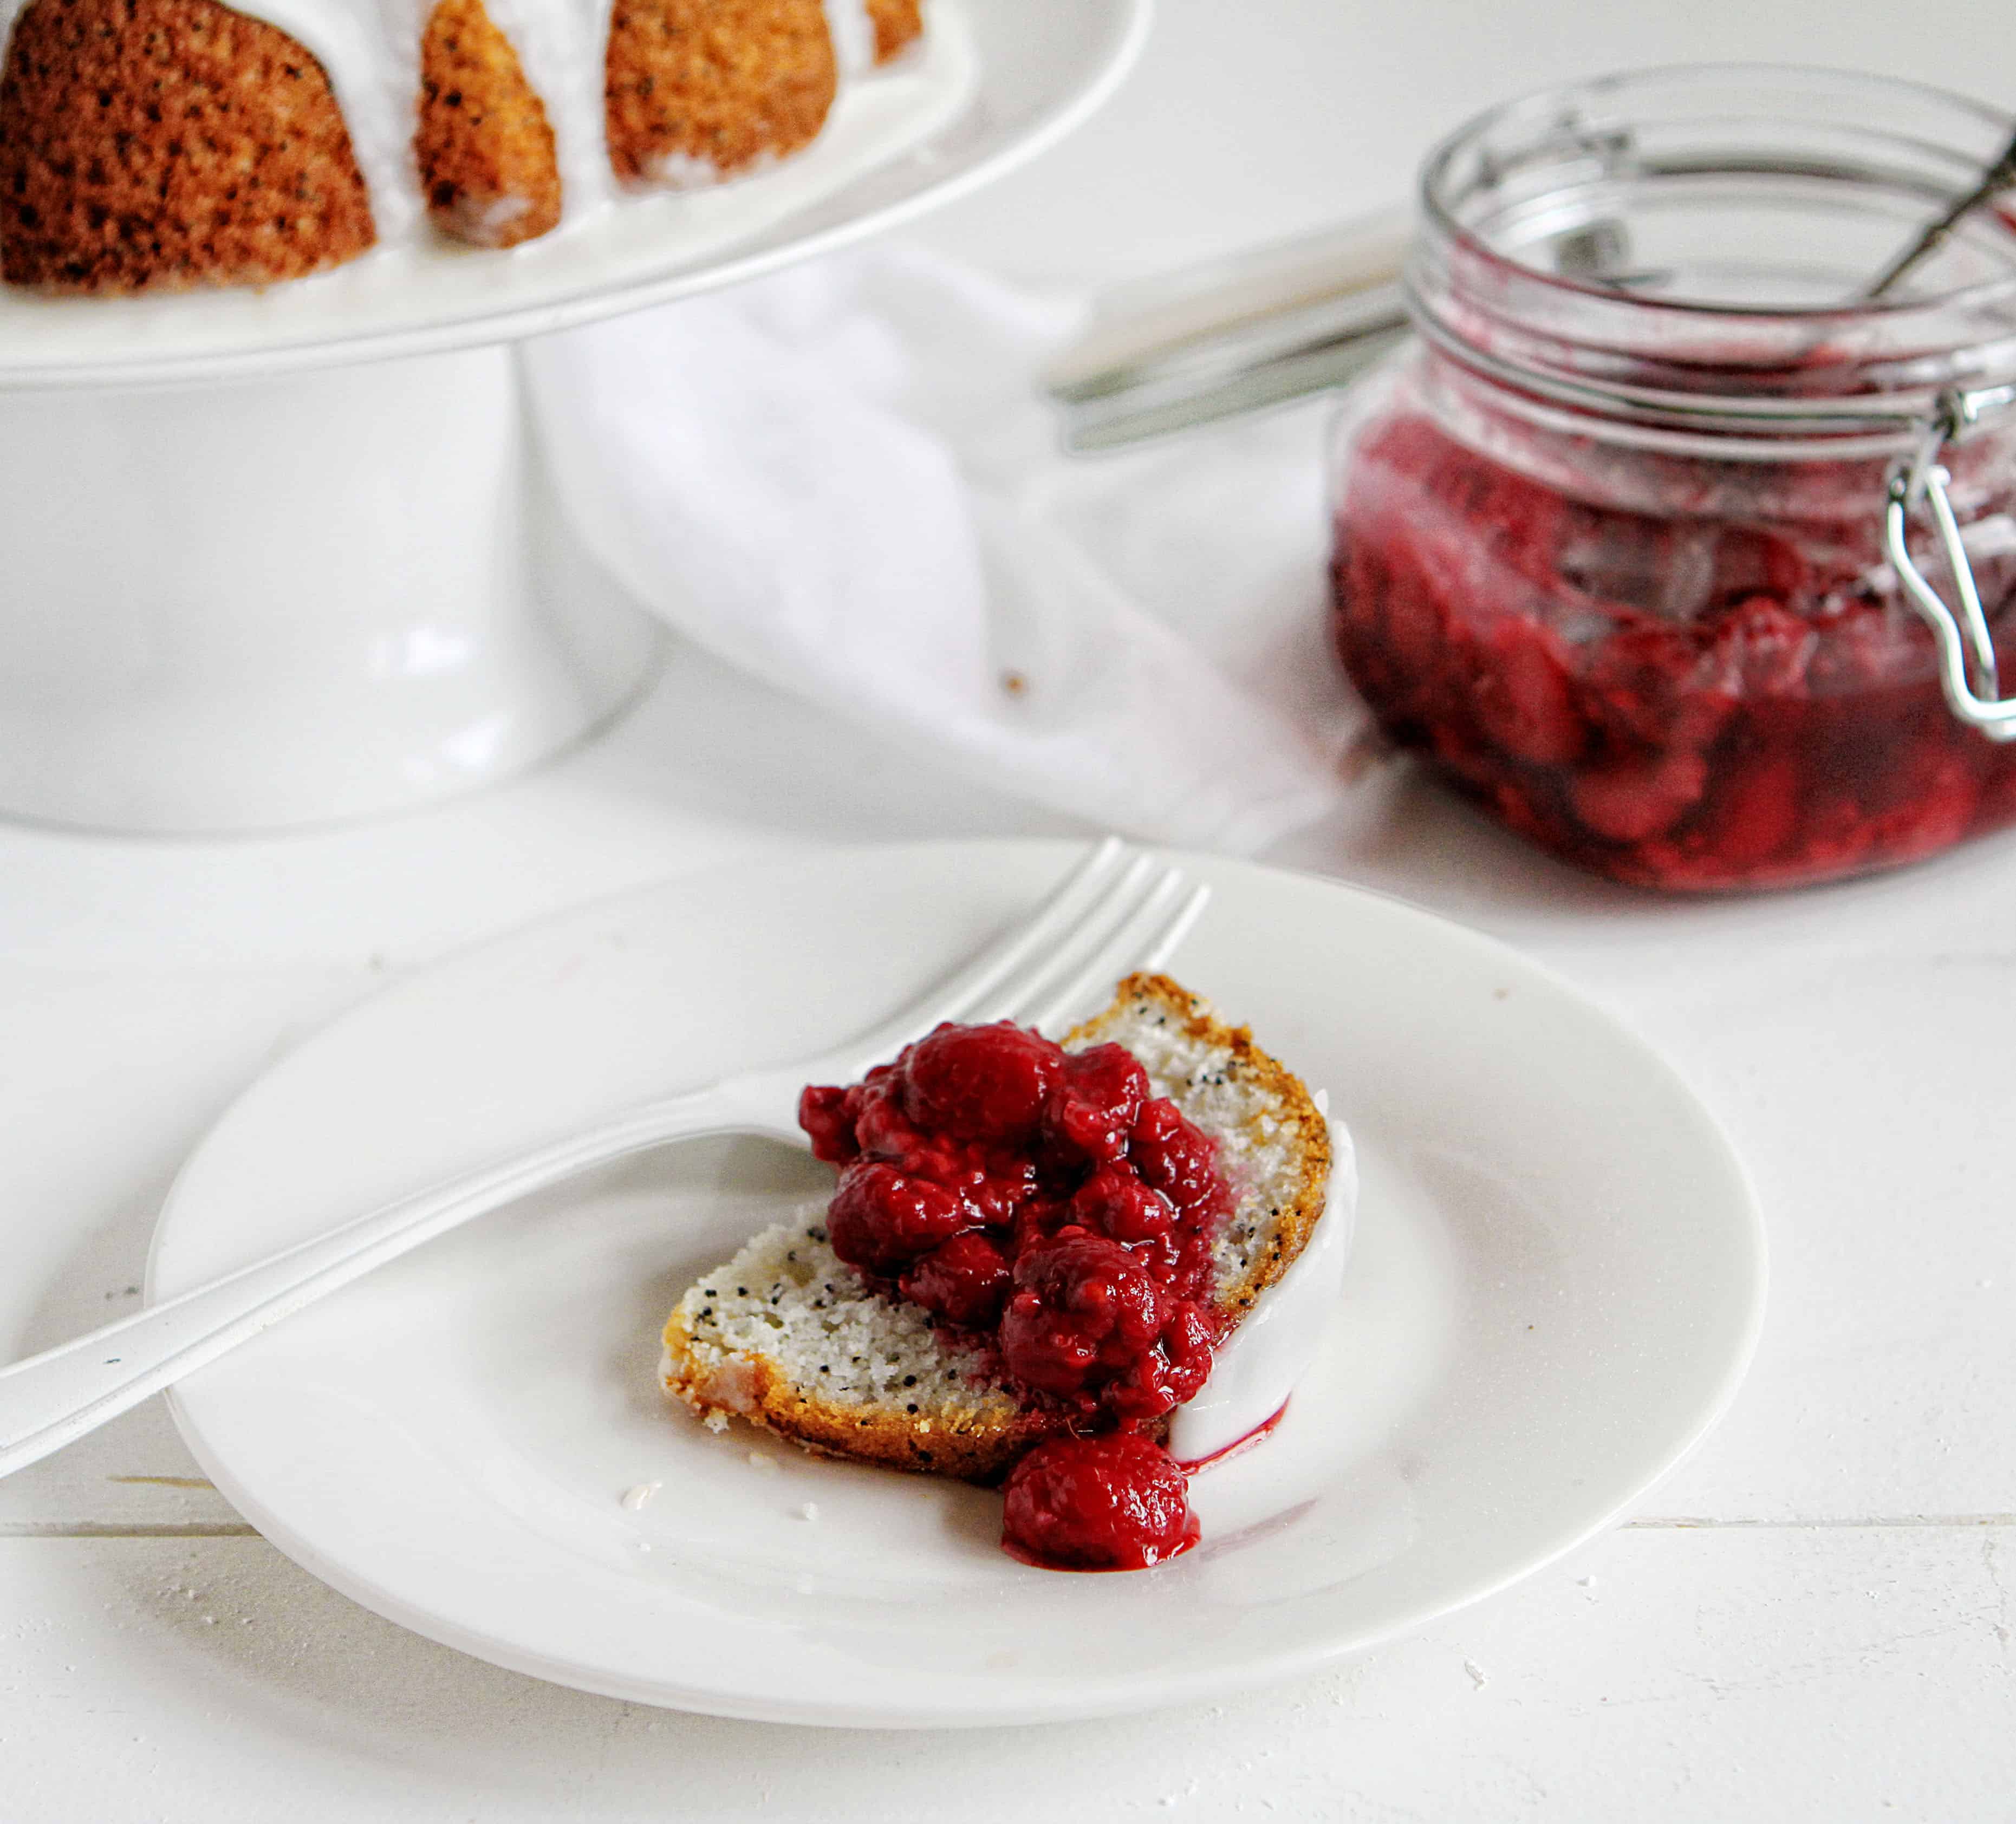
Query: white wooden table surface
point(1812, 1620)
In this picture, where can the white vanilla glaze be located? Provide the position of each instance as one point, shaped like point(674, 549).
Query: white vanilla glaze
point(853, 35)
point(370, 51)
point(1257, 1365)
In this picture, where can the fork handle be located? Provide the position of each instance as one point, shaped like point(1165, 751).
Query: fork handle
point(50, 1399)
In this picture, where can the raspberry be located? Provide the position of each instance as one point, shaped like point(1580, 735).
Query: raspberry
point(1094, 1104)
point(1515, 806)
point(1188, 1339)
point(1863, 646)
point(1416, 634)
point(879, 1220)
point(1173, 1157)
point(980, 1082)
point(1932, 805)
point(1632, 800)
point(1118, 1205)
point(882, 1130)
point(1083, 1309)
point(1525, 699)
point(1756, 814)
point(1648, 682)
point(823, 1113)
point(1751, 562)
point(1761, 648)
point(1117, 1502)
point(963, 1281)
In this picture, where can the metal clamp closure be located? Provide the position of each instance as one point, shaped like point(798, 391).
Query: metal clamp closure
point(1967, 649)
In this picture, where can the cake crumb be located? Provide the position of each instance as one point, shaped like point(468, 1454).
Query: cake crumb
point(634, 1499)
point(761, 1460)
point(809, 1511)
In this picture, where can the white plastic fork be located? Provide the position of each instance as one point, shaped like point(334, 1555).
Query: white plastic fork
point(1117, 910)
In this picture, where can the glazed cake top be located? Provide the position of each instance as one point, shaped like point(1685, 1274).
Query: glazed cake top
point(370, 51)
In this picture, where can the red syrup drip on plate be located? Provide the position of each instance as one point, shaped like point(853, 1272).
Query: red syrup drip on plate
point(1044, 1205)
point(1189, 1466)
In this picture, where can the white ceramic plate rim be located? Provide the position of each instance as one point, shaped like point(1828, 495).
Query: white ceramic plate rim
point(1093, 1697)
point(527, 306)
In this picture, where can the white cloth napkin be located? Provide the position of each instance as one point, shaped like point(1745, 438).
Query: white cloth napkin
point(842, 479)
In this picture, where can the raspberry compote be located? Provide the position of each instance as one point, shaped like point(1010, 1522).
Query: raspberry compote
point(1046, 1207)
point(1609, 539)
point(1677, 700)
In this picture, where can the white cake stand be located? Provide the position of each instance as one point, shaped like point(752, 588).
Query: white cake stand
point(278, 558)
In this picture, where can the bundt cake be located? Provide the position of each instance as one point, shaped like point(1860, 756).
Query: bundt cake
point(163, 144)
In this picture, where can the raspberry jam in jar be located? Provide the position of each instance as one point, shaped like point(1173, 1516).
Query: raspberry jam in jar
point(1614, 542)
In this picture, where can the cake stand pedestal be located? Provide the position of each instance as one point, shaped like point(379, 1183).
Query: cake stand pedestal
point(279, 558)
point(287, 601)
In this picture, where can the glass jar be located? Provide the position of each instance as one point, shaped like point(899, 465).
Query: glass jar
point(1615, 542)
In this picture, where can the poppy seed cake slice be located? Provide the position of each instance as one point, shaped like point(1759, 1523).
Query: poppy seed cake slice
point(789, 1337)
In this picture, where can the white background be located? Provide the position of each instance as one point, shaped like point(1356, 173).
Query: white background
point(1812, 1620)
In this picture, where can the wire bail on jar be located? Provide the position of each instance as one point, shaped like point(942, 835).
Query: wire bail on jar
point(1967, 671)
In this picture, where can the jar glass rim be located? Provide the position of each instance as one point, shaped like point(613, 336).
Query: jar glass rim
point(1439, 215)
point(1685, 249)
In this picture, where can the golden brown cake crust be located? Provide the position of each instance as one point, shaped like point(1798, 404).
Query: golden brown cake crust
point(484, 145)
point(897, 23)
point(701, 86)
point(166, 143)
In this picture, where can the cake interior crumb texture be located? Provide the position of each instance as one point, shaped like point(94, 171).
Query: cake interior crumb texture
point(788, 1295)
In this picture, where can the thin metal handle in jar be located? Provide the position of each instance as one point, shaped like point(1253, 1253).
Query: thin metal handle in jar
point(1967, 670)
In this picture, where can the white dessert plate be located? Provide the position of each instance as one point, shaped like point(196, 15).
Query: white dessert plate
point(992, 83)
point(1556, 1283)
